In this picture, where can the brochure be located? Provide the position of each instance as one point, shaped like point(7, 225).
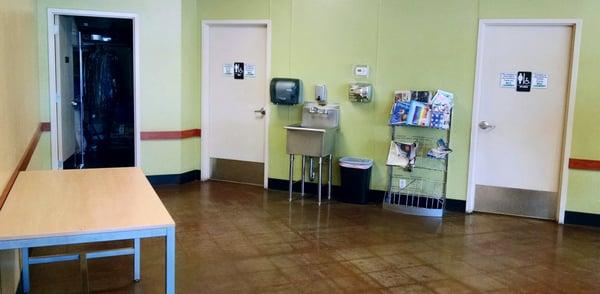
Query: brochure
point(402, 96)
point(402, 154)
point(419, 114)
point(399, 113)
point(421, 96)
point(442, 101)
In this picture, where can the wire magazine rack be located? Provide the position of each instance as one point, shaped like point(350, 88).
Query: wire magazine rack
point(422, 189)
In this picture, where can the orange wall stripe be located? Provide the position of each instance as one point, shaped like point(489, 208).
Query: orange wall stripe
point(574, 163)
point(584, 164)
point(153, 135)
point(45, 126)
point(170, 135)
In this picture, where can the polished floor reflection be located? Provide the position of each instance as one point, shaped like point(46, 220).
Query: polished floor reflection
point(242, 239)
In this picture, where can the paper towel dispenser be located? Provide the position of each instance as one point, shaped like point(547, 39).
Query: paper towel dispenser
point(286, 91)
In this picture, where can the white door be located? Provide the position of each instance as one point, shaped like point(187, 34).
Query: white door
point(236, 117)
point(520, 134)
point(64, 87)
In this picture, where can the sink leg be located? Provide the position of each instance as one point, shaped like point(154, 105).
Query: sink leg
point(303, 175)
point(291, 174)
point(320, 178)
point(329, 179)
point(311, 169)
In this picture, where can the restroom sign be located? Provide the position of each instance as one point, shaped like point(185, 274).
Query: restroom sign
point(524, 81)
point(508, 80)
point(539, 81)
point(228, 70)
point(250, 71)
point(238, 70)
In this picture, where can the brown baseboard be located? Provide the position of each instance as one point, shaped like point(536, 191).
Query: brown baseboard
point(22, 164)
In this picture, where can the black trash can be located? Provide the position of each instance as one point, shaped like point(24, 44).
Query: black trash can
point(356, 179)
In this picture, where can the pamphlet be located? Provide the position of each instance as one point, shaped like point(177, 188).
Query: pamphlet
point(399, 113)
point(419, 114)
point(402, 154)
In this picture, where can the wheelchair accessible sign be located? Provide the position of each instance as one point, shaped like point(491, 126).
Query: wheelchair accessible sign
point(524, 81)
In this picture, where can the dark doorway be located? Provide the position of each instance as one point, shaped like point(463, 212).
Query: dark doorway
point(103, 93)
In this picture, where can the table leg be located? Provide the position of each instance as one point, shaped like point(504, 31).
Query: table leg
point(136, 259)
point(320, 178)
point(330, 177)
point(303, 173)
point(170, 260)
point(291, 174)
point(25, 269)
point(83, 266)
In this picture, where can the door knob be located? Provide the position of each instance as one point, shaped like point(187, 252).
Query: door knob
point(262, 111)
point(484, 125)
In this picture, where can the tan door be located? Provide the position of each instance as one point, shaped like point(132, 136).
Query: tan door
point(64, 87)
point(520, 134)
point(236, 105)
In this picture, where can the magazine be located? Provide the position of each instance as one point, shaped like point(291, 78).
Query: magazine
point(421, 96)
point(442, 101)
point(402, 154)
point(399, 113)
point(440, 120)
point(441, 151)
point(402, 96)
point(419, 114)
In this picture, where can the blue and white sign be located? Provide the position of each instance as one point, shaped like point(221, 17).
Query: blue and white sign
point(508, 80)
point(539, 81)
point(250, 71)
point(228, 70)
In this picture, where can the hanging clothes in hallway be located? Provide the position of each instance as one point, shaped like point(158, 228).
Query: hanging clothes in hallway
point(101, 93)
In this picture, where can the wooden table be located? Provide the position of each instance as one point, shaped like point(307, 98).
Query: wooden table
point(47, 208)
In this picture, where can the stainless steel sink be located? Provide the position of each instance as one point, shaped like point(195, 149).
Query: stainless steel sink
point(314, 139)
point(315, 142)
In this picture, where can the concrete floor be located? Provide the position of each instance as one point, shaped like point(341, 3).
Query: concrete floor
point(238, 239)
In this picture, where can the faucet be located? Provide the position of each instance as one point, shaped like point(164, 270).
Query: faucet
point(318, 111)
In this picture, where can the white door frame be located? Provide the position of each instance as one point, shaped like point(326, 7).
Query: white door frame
point(576, 24)
point(206, 168)
point(52, 75)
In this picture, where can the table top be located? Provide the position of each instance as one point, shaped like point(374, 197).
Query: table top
point(73, 202)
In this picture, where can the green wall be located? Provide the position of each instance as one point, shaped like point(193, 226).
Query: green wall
point(319, 41)
point(409, 44)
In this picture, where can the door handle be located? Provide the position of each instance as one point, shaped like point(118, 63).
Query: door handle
point(262, 111)
point(484, 125)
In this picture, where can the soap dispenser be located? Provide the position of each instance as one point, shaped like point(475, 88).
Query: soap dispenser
point(321, 94)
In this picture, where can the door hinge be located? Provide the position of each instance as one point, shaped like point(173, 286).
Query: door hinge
point(56, 29)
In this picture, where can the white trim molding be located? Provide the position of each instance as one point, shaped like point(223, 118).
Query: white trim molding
point(576, 24)
point(52, 74)
point(205, 96)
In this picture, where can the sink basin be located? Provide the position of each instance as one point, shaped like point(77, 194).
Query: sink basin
point(315, 142)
